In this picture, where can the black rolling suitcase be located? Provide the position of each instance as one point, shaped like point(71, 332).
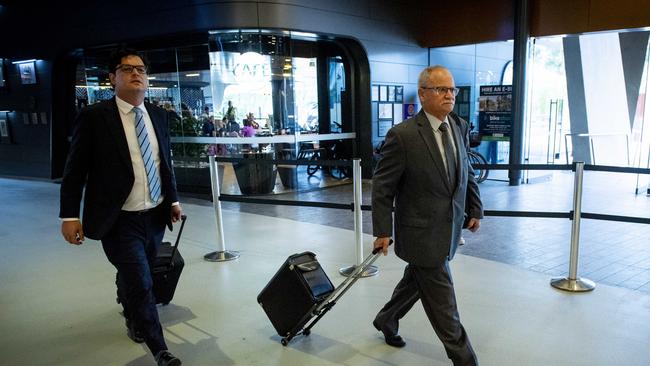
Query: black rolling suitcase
point(166, 270)
point(300, 294)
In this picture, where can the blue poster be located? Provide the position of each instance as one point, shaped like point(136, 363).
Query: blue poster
point(408, 110)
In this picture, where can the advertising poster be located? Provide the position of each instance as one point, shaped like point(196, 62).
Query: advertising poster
point(408, 110)
point(495, 112)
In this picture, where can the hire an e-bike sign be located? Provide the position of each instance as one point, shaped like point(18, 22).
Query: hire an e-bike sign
point(495, 112)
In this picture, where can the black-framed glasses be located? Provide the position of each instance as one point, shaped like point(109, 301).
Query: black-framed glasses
point(442, 90)
point(140, 69)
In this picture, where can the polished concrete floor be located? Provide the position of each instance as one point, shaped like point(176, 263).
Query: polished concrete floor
point(57, 301)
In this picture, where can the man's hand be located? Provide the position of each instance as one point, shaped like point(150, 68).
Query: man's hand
point(473, 224)
point(382, 243)
point(176, 212)
point(72, 232)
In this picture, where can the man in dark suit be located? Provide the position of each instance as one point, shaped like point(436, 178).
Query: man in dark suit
point(425, 173)
point(120, 152)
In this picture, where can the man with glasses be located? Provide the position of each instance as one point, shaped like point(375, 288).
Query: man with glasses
point(425, 174)
point(120, 153)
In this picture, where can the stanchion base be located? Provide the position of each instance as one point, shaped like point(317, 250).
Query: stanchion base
point(226, 255)
point(368, 272)
point(577, 285)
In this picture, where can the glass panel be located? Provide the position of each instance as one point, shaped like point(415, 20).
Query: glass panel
point(336, 87)
point(243, 83)
point(610, 128)
point(548, 118)
point(93, 84)
point(306, 93)
point(474, 66)
point(252, 75)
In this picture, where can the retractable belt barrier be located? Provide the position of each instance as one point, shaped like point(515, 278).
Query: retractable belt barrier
point(572, 283)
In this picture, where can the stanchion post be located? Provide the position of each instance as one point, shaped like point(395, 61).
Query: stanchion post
point(574, 283)
point(221, 254)
point(358, 225)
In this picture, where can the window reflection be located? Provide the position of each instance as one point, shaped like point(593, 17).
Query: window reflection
point(237, 84)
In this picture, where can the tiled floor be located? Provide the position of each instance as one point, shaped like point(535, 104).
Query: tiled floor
point(614, 253)
point(57, 301)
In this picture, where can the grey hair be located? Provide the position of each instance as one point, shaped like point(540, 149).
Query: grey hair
point(426, 73)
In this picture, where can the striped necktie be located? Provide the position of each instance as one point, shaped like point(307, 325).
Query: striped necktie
point(147, 156)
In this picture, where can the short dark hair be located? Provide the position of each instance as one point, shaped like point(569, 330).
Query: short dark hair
point(118, 54)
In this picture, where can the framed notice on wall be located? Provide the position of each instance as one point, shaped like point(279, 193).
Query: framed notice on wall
point(27, 72)
point(386, 111)
point(4, 129)
point(383, 93)
point(386, 107)
point(5, 137)
point(383, 127)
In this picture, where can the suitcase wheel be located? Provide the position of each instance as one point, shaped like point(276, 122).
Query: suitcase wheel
point(306, 332)
point(284, 341)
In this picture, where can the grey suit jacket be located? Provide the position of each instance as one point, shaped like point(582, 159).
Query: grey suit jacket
point(429, 212)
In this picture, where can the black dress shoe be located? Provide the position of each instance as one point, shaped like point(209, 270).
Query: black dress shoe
point(165, 358)
point(394, 340)
point(135, 335)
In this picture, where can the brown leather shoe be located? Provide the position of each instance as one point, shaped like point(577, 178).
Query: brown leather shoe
point(394, 340)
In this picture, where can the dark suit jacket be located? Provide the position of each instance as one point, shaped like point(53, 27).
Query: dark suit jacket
point(99, 159)
point(429, 212)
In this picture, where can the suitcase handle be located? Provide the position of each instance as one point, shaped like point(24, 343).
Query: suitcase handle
point(178, 237)
point(308, 266)
point(341, 289)
point(376, 250)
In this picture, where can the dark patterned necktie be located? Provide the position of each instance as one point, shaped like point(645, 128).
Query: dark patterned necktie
point(147, 156)
point(449, 153)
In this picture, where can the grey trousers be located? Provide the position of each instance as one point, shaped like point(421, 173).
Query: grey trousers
point(434, 286)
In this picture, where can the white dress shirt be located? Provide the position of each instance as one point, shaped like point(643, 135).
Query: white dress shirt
point(139, 198)
point(437, 134)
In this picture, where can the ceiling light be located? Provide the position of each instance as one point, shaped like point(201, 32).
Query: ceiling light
point(24, 61)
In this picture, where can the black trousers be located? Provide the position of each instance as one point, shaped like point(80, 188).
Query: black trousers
point(131, 246)
point(434, 286)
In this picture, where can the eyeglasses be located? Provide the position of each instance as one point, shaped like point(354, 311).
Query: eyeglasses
point(140, 69)
point(441, 90)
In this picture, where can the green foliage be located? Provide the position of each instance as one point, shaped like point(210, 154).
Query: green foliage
point(186, 127)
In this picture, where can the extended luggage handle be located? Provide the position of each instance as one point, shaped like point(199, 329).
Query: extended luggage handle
point(349, 281)
point(376, 250)
point(178, 237)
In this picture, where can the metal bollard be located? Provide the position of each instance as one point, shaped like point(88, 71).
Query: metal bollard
point(358, 225)
point(574, 283)
point(222, 254)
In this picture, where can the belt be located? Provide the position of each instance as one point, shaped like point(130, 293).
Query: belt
point(141, 212)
